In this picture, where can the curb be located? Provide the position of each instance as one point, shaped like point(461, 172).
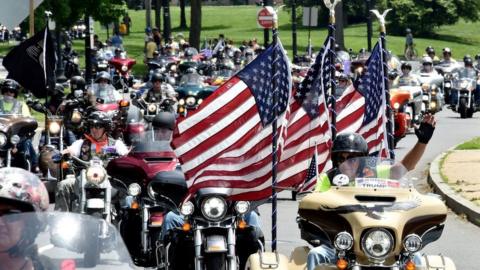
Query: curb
point(457, 203)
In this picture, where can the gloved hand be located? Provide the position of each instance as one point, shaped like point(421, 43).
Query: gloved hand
point(425, 131)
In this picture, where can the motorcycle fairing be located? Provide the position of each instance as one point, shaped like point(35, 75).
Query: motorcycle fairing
point(340, 209)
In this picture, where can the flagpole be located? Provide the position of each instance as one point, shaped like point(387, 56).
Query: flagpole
point(330, 97)
point(383, 42)
point(47, 19)
point(274, 138)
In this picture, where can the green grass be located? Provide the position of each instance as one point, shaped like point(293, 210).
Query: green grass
point(239, 23)
point(442, 161)
point(473, 144)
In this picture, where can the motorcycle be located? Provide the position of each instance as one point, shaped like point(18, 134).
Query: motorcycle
point(433, 96)
point(373, 218)
point(414, 108)
point(399, 100)
point(215, 234)
point(446, 70)
point(71, 64)
point(149, 176)
point(61, 240)
point(465, 89)
point(14, 130)
point(122, 79)
point(191, 93)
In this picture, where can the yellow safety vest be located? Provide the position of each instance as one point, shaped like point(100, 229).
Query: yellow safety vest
point(323, 181)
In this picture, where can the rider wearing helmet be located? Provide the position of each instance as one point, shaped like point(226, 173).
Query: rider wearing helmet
point(447, 57)
point(20, 192)
point(102, 89)
point(9, 103)
point(431, 53)
point(92, 145)
point(407, 78)
point(468, 71)
point(160, 91)
point(427, 65)
point(350, 145)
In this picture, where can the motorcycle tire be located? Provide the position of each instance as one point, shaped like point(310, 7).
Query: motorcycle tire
point(92, 253)
point(462, 109)
point(216, 262)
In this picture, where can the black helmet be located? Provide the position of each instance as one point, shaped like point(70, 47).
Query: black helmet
point(157, 77)
point(477, 56)
point(10, 86)
point(350, 143)
point(430, 50)
point(406, 65)
point(164, 120)
point(77, 83)
point(467, 60)
point(189, 52)
point(99, 118)
point(103, 75)
point(392, 74)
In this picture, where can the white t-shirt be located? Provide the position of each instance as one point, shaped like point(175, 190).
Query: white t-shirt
point(76, 148)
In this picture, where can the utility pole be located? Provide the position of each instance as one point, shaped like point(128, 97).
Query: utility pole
point(88, 50)
point(369, 24)
point(158, 8)
point(148, 13)
point(339, 38)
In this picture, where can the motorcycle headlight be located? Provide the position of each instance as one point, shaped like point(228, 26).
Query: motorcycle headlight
point(181, 102)
point(134, 189)
point(448, 85)
point(343, 241)
point(242, 207)
point(214, 208)
point(96, 175)
point(199, 101)
point(54, 128)
point(3, 139)
point(76, 117)
point(396, 105)
point(152, 108)
point(187, 208)
point(190, 101)
point(463, 84)
point(433, 104)
point(124, 68)
point(75, 60)
point(412, 243)
point(425, 86)
point(15, 139)
point(377, 243)
point(434, 86)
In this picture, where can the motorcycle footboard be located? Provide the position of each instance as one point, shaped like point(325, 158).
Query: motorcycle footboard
point(436, 262)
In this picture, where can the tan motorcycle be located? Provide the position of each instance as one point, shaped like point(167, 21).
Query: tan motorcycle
point(372, 217)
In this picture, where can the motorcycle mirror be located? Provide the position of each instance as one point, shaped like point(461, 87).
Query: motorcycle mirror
point(125, 90)
point(100, 100)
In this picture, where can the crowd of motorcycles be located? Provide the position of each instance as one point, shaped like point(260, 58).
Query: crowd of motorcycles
point(134, 192)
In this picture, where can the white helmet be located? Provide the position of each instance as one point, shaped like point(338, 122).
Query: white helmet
point(427, 60)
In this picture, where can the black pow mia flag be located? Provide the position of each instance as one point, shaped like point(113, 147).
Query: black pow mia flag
point(32, 63)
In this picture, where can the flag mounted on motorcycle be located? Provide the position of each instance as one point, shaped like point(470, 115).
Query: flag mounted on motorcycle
point(32, 63)
point(362, 107)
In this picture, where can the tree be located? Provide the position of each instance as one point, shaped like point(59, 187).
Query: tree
point(195, 23)
point(183, 20)
point(422, 16)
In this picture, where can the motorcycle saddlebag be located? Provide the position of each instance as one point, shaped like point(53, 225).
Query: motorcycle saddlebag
point(434, 262)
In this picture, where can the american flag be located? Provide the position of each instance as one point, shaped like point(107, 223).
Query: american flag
point(308, 123)
point(362, 106)
point(227, 142)
point(312, 175)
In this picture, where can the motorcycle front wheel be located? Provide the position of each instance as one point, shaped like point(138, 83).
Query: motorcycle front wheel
point(216, 262)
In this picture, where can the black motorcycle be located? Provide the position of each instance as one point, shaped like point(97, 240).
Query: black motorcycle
point(215, 234)
point(15, 131)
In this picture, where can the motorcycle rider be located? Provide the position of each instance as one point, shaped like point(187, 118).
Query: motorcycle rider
point(99, 124)
point(431, 53)
point(427, 66)
point(21, 192)
point(343, 83)
point(350, 145)
point(468, 71)
point(102, 89)
point(160, 91)
point(447, 57)
point(9, 104)
point(407, 78)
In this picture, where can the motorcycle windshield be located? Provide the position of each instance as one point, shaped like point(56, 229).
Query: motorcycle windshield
point(224, 73)
point(60, 240)
point(372, 172)
point(191, 79)
point(465, 83)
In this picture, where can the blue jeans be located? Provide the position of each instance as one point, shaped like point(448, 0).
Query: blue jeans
point(173, 220)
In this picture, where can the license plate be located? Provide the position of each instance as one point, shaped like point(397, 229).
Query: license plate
point(216, 243)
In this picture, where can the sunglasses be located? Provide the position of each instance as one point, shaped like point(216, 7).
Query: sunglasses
point(97, 126)
point(11, 216)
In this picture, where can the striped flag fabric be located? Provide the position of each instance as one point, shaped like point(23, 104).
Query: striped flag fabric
point(308, 123)
point(312, 175)
point(362, 107)
point(227, 142)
